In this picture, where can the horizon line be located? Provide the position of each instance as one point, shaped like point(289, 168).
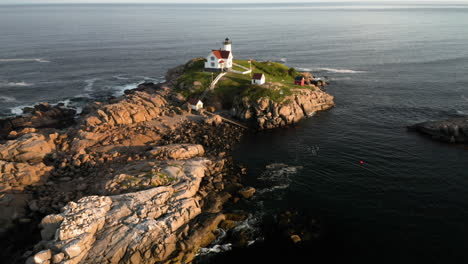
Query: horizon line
point(246, 3)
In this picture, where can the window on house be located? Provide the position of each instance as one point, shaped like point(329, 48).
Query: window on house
point(212, 58)
point(212, 64)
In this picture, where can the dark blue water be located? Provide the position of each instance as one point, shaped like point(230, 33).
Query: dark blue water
point(391, 65)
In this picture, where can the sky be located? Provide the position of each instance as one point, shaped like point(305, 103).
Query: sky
point(188, 1)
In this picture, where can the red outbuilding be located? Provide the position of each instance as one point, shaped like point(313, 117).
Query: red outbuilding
point(300, 80)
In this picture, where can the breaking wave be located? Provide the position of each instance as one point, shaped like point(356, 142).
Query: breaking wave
point(90, 84)
point(18, 110)
point(25, 60)
point(119, 89)
point(332, 70)
point(273, 181)
point(120, 77)
point(7, 99)
point(15, 84)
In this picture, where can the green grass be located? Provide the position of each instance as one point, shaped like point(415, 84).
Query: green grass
point(243, 63)
point(234, 85)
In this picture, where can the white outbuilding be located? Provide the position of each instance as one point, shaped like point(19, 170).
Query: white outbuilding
point(220, 60)
point(258, 78)
point(195, 104)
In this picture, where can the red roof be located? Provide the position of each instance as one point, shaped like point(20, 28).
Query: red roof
point(221, 54)
point(193, 101)
point(221, 61)
point(257, 76)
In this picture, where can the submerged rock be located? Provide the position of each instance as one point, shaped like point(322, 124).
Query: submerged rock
point(450, 130)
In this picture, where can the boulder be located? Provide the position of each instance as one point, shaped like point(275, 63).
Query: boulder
point(43, 257)
point(214, 120)
point(28, 148)
point(247, 192)
point(177, 151)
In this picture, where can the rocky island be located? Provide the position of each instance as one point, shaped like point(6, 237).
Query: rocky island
point(141, 178)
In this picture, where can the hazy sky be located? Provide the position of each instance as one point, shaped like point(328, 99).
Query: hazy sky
point(189, 1)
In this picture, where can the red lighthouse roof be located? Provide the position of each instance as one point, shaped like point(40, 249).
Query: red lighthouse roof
point(221, 54)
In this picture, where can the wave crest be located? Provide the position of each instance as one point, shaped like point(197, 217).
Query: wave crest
point(25, 60)
point(332, 70)
point(7, 99)
point(15, 84)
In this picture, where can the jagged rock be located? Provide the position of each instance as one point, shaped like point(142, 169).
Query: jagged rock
point(296, 239)
point(143, 226)
point(214, 120)
point(28, 148)
point(20, 166)
point(133, 108)
point(49, 225)
point(16, 175)
point(177, 151)
point(247, 192)
point(43, 256)
point(41, 116)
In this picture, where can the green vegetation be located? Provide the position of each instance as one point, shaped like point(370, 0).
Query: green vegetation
point(279, 78)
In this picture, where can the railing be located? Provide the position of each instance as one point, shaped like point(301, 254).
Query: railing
point(213, 84)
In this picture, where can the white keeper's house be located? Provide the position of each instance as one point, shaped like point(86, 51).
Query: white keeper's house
point(220, 60)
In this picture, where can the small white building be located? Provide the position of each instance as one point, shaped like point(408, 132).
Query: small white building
point(220, 60)
point(195, 104)
point(258, 78)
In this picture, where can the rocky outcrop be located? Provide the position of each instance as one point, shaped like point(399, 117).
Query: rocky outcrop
point(268, 114)
point(141, 227)
point(29, 148)
point(133, 108)
point(450, 130)
point(40, 116)
point(21, 165)
point(214, 120)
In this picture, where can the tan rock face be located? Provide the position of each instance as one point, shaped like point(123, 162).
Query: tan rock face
point(178, 151)
point(142, 226)
point(134, 108)
point(30, 147)
point(214, 120)
point(268, 114)
point(21, 165)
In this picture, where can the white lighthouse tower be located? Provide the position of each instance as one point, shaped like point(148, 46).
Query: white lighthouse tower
point(227, 45)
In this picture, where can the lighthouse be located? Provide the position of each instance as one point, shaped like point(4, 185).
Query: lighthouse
point(220, 59)
point(227, 44)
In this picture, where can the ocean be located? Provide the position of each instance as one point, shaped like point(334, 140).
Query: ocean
point(390, 65)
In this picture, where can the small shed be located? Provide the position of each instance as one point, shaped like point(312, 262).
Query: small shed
point(195, 104)
point(299, 80)
point(258, 78)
